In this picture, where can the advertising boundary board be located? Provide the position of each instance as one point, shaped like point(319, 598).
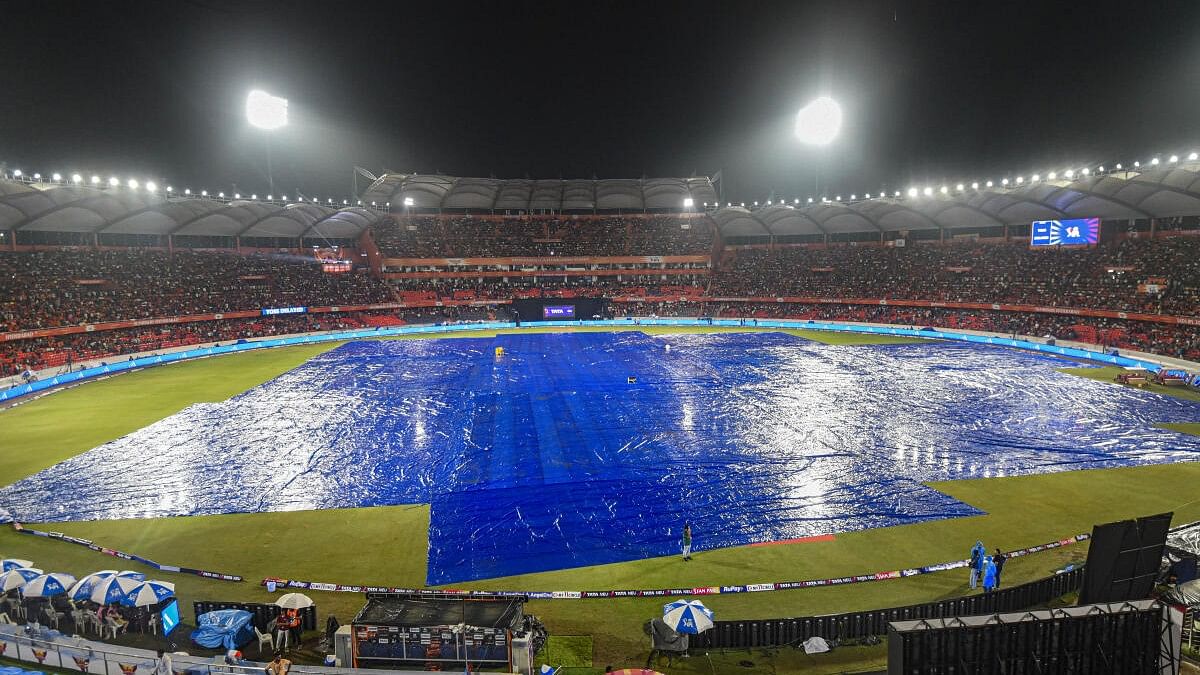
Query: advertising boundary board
point(335, 336)
point(663, 592)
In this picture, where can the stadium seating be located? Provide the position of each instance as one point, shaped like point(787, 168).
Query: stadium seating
point(541, 236)
point(68, 287)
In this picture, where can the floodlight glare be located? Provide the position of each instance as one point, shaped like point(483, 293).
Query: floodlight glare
point(1035, 178)
point(688, 202)
point(76, 178)
point(989, 183)
point(1052, 175)
point(1192, 157)
point(1020, 180)
point(897, 193)
point(95, 180)
point(133, 184)
point(912, 192)
point(959, 187)
point(152, 186)
point(1174, 158)
point(928, 192)
point(1085, 171)
point(408, 201)
point(38, 176)
point(1118, 166)
point(819, 122)
point(266, 111)
point(114, 181)
point(56, 177)
point(16, 173)
point(1070, 173)
point(1004, 182)
point(944, 189)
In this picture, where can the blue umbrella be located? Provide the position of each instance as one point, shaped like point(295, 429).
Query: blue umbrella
point(17, 578)
point(46, 585)
point(130, 574)
point(148, 593)
point(82, 590)
point(110, 590)
point(687, 616)
point(13, 564)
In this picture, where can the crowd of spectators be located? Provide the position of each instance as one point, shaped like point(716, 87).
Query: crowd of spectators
point(68, 287)
point(1110, 276)
point(542, 236)
point(67, 351)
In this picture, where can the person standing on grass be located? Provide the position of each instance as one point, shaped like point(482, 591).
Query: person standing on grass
point(999, 560)
point(977, 554)
point(687, 541)
point(989, 575)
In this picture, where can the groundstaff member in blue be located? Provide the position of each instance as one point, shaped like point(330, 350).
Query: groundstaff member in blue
point(977, 554)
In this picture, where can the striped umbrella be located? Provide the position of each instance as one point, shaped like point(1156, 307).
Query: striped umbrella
point(687, 616)
point(17, 578)
point(14, 563)
point(46, 585)
point(130, 574)
point(82, 590)
point(148, 593)
point(110, 590)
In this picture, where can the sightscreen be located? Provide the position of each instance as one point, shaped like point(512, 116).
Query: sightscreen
point(1072, 232)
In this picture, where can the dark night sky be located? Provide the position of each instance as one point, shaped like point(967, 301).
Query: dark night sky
point(933, 91)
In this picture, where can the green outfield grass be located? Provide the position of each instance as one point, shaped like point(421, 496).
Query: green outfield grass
point(387, 545)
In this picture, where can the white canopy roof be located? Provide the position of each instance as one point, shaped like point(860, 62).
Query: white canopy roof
point(449, 192)
point(70, 208)
point(1160, 193)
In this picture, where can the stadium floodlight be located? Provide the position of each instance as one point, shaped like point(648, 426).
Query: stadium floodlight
point(1100, 169)
point(853, 197)
point(237, 195)
point(56, 177)
point(868, 196)
point(1174, 158)
point(170, 189)
point(897, 193)
point(688, 202)
point(76, 178)
point(1085, 171)
point(1119, 167)
point(17, 173)
point(974, 186)
point(912, 192)
point(187, 191)
point(837, 198)
point(1137, 165)
point(1154, 161)
point(810, 200)
point(944, 190)
point(270, 198)
point(204, 193)
point(743, 205)
point(1035, 178)
point(989, 183)
point(266, 111)
point(37, 176)
point(1020, 180)
point(221, 195)
point(253, 196)
point(1069, 173)
point(151, 186)
point(95, 180)
point(1052, 175)
point(133, 184)
point(1192, 157)
point(345, 203)
point(1004, 182)
point(114, 181)
point(959, 188)
point(409, 201)
point(819, 122)
point(928, 191)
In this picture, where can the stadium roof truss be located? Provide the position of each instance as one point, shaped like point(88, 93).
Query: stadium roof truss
point(69, 208)
point(1163, 193)
point(1159, 193)
point(492, 194)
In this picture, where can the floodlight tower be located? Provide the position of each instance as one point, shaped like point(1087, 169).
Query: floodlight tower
point(269, 113)
point(819, 123)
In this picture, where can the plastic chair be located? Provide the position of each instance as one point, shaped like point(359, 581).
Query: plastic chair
point(263, 637)
point(153, 623)
point(114, 628)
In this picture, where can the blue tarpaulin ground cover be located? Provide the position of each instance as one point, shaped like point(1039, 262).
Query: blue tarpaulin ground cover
point(548, 457)
point(228, 628)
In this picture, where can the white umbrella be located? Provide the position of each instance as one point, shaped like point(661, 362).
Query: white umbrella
point(294, 601)
point(17, 578)
point(46, 585)
point(148, 593)
point(110, 590)
point(14, 563)
point(130, 574)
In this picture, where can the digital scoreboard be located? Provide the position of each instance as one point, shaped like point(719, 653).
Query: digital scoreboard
point(1073, 232)
point(558, 312)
